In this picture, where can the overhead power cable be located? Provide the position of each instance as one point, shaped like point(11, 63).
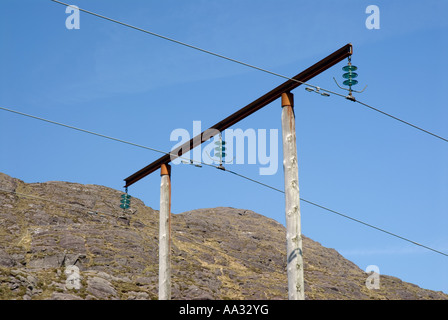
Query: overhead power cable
point(225, 170)
point(103, 136)
point(81, 130)
point(402, 121)
point(374, 227)
point(190, 46)
point(342, 215)
point(250, 66)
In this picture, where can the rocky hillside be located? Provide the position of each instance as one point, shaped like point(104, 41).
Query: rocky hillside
point(220, 253)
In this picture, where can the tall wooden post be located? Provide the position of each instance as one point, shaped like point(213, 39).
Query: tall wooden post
point(165, 233)
point(292, 201)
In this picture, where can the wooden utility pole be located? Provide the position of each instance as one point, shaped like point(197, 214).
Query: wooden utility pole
point(294, 239)
point(165, 233)
point(294, 255)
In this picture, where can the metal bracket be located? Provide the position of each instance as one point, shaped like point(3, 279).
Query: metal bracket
point(309, 89)
point(350, 96)
point(192, 163)
point(349, 90)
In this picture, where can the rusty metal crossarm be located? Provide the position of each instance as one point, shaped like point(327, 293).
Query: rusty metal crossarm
point(252, 107)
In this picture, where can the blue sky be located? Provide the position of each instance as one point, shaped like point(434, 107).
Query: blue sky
point(129, 85)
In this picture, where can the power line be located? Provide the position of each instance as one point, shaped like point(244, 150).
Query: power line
point(227, 253)
point(340, 214)
point(83, 130)
point(372, 226)
point(225, 170)
point(398, 119)
point(253, 180)
point(102, 136)
point(258, 182)
point(192, 46)
point(263, 184)
point(250, 66)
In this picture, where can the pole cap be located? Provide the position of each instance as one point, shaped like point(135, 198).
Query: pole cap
point(165, 169)
point(287, 99)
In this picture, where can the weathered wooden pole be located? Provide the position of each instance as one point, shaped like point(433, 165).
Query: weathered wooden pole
point(165, 233)
point(292, 201)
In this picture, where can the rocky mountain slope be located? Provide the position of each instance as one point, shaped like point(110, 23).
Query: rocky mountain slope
point(219, 253)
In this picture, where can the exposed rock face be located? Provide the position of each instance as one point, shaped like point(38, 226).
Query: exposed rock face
point(78, 244)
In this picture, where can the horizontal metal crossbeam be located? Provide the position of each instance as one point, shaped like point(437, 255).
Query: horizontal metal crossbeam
point(252, 107)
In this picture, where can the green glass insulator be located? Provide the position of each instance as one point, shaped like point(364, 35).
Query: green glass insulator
point(124, 206)
point(350, 82)
point(350, 68)
point(350, 75)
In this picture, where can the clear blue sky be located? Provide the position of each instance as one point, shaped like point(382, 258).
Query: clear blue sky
point(129, 85)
